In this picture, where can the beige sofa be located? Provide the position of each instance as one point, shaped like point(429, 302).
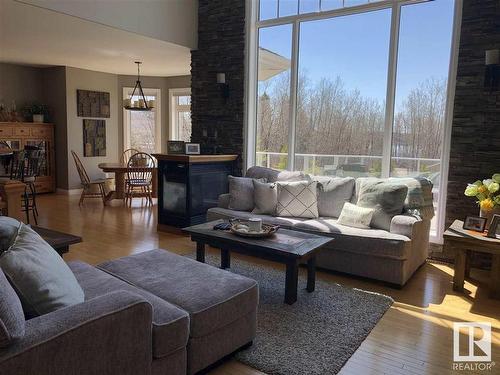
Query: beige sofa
point(391, 256)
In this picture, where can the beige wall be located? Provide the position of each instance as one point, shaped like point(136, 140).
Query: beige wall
point(162, 83)
point(95, 81)
point(172, 21)
point(19, 83)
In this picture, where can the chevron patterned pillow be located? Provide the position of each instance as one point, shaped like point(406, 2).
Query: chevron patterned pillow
point(297, 199)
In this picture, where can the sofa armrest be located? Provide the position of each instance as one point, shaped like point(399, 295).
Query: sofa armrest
point(109, 334)
point(404, 224)
point(223, 201)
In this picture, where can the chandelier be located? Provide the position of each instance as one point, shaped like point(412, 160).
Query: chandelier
point(142, 104)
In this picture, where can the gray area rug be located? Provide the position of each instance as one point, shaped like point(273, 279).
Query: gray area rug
point(317, 334)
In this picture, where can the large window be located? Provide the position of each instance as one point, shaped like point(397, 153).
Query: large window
point(351, 88)
point(273, 106)
point(142, 129)
point(180, 115)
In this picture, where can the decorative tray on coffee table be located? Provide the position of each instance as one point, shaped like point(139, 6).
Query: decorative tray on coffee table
point(238, 228)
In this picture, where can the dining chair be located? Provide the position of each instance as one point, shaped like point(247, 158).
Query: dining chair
point(34, 157)
point(89, 186)
point(17, 172)
point(138, 181)
point(127, 154)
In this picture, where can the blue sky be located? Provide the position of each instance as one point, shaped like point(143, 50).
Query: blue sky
point(356, 47)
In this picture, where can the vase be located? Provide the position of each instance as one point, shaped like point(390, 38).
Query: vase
point(488, 214)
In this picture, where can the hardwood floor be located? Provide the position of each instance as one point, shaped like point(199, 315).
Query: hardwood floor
point(414, 337)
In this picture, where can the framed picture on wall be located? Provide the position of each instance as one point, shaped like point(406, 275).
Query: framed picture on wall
point(175, 147)
point(192, 148)
point(94, 137)
point(92, 103)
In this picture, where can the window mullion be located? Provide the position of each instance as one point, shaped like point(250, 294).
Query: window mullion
point(293, 96)
point(391, 90)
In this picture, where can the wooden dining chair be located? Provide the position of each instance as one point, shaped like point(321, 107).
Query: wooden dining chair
point(127, 154)
point(19, 171)
point(138, 181)
point(89, 186)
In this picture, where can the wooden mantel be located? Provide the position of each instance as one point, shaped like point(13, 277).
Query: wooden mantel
point(192, 159)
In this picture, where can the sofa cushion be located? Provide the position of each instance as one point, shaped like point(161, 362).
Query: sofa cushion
point(356, 216)
point(273, 175)
point(12, 321)
point(373, 242)
point(41, 278)
point(241, 193)
point(213, 297)
point(226, 214)
point(387, 198)
point(333, 192)
point(170, 323)
point(297, 199)
point(265, 197)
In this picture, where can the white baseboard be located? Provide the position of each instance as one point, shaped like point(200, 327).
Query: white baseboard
point(69, 191)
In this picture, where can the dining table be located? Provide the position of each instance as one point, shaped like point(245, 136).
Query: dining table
point(120, 170)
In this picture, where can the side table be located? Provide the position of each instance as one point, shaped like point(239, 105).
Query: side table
point(462, 242)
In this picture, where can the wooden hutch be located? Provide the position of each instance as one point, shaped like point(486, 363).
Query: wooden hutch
point(19, 134)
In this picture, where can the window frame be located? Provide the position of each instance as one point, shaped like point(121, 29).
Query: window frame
point(127, 91)
point(252, 43)
point(174, 109)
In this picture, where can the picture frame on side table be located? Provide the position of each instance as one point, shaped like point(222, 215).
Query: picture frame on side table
point(494, 229)
point(475, 223)
point(175, 147)
point(192, 148)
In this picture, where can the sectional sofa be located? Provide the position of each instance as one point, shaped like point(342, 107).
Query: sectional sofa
point(391, 255)
point(150, 313)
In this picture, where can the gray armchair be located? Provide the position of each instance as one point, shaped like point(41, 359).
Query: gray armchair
point(100, 336)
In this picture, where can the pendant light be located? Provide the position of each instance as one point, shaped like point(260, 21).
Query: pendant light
point(142, 104)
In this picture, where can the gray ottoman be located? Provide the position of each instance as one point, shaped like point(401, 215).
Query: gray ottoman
point(222, 306)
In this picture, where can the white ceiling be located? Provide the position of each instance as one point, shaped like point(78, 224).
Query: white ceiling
point(35, 36)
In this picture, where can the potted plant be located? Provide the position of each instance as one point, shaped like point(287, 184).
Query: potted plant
point(36, 111)
point(487, 193)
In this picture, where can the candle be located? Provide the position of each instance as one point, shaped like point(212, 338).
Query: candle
point(141, 103)
point(127, 103)
point(136, 104)
point(151, 103)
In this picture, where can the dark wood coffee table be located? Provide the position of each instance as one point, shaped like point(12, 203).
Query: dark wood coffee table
point(58, 240)
point(286, 246)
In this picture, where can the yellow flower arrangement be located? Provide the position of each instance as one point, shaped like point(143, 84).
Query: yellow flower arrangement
point(487, 192)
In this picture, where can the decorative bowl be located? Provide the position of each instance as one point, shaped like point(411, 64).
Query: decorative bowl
point(267, 230)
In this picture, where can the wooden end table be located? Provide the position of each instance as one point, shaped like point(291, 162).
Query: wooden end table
point(58, 240)
point(286, 246)
point(462, 242)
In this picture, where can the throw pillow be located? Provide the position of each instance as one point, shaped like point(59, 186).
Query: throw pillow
point(297, 199)
point(333, 192)
point(8, 232)
point(241, 193)
point(356, 216)
point(12, 321)
point(290, 176)
point(41, 278)
point(387, 198)
point(265, 198)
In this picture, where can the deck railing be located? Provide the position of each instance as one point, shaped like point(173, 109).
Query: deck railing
point(330, 163)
